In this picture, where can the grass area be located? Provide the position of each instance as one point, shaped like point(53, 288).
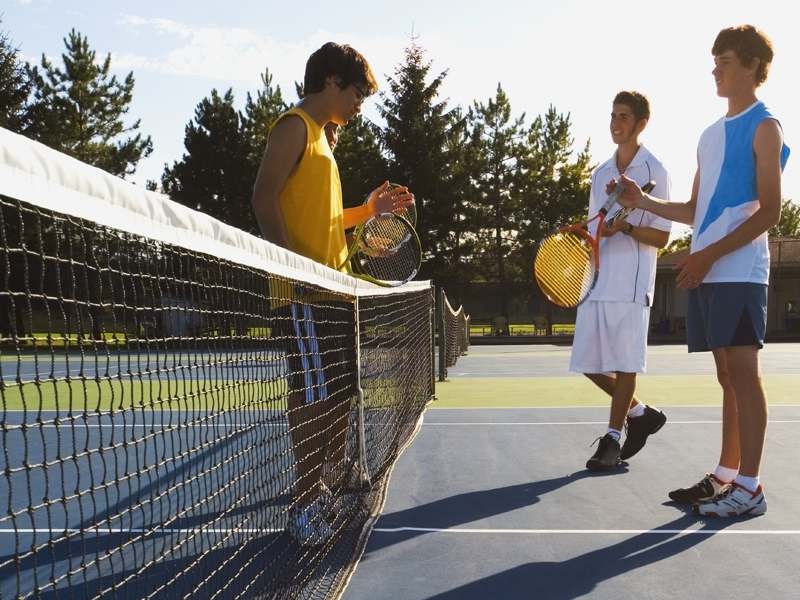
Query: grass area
point(120, 339)
point(666, 390)
point(170, 394)
point(525, 329)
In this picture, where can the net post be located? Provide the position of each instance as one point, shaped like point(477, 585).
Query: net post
point(442, 334)
point(363, 470)
point(432, 325)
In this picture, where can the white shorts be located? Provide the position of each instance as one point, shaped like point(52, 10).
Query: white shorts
point(609, 337)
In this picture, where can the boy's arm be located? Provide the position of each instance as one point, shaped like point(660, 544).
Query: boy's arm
point(382, 199)
point(284, 148)
point(682, 212)
point(767, 147)
point(649, 236)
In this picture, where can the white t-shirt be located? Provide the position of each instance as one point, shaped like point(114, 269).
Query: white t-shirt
point(628, 267)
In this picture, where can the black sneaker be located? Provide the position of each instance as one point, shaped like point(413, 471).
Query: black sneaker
point(703, 491)
point(638, 428)
point(607, 455)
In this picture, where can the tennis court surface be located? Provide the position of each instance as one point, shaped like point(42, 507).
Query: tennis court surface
point(492, 499)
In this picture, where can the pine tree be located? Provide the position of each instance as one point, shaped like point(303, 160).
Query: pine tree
point(499, 142)
point(259, 114)
point(223, 153)
point(15, 87)
point(555, 191)
point(79, 110)
point(214, 176)
point(362, 166)
point(415, 139)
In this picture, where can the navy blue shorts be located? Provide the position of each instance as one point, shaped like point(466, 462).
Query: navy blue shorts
point(720, 315)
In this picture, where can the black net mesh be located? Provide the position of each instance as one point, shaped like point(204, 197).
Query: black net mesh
point(175, 424)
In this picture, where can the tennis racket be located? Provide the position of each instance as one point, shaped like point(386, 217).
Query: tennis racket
point(567, 263)
point(385, 250)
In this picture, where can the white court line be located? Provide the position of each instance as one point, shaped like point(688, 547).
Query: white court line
point(153, 530)
point(430, 424)
point(594, 531)
point(605, 406)
point(165, 424)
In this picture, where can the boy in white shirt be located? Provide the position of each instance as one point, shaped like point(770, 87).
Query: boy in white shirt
point(610, 343)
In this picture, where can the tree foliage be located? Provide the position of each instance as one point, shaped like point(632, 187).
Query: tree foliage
point(79, 109)
point(15, 87)
point(789, 224)
point(223, 153)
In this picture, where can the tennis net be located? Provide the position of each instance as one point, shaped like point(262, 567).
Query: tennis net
point(456, 332)
point(174, 391)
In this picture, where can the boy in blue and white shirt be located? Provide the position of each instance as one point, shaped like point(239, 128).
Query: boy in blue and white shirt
point(736, 198)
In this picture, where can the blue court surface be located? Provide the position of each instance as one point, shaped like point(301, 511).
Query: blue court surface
point(496, 503)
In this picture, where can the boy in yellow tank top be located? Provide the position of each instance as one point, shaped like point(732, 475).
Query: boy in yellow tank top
point(297, 200)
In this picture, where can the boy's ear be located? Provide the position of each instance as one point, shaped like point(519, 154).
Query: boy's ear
point(640, 125)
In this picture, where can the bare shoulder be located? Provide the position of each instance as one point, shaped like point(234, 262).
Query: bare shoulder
point(769, 136)
point(288, 131)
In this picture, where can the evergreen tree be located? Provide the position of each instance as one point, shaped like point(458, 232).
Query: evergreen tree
point(14, 87)
point(555, 185)
point(362, 166)
point(415, 139)
point(214, 176)
point(223, 153)
point(79, 110)
point(260, 113)
point(499, 142)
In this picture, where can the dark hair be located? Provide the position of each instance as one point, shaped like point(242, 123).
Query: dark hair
point(341, 61)
point(748, 43)
point(637, 102)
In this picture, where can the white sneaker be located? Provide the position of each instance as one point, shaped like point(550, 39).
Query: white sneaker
point(307, 524)
point(736, 501)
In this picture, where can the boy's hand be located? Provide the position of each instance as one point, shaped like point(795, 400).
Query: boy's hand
point(631, 195)
point(387, 198)
point(607, 230)
point(693, 269)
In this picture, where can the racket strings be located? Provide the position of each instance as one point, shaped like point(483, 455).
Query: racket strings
point(383, 235)
point(390, 250)
point(564, 268)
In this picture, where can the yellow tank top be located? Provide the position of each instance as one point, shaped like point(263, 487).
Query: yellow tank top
point(311, 199)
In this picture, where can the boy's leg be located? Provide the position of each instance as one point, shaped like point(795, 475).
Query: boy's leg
point(624, 388)
point(308, 445)
point(607, 383)
point(729, 456)
point(751, 402)
point(745, 497)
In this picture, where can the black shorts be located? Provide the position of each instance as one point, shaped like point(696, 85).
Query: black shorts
point(319, 345)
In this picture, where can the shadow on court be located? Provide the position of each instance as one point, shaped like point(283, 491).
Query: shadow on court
point(578, 576)
point(473, 506)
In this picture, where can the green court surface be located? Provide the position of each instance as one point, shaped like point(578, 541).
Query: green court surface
point(659, 390)
point(169, 394)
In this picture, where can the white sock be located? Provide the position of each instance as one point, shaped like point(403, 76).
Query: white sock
point(636, 411)
point(615, 433)
point(748, 483)
point(726, 474)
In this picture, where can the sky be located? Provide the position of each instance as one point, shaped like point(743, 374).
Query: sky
point(571, 54)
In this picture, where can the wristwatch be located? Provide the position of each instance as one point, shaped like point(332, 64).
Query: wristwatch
point(628, 229)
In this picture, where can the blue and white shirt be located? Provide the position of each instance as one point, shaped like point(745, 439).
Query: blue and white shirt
point(727, 195)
